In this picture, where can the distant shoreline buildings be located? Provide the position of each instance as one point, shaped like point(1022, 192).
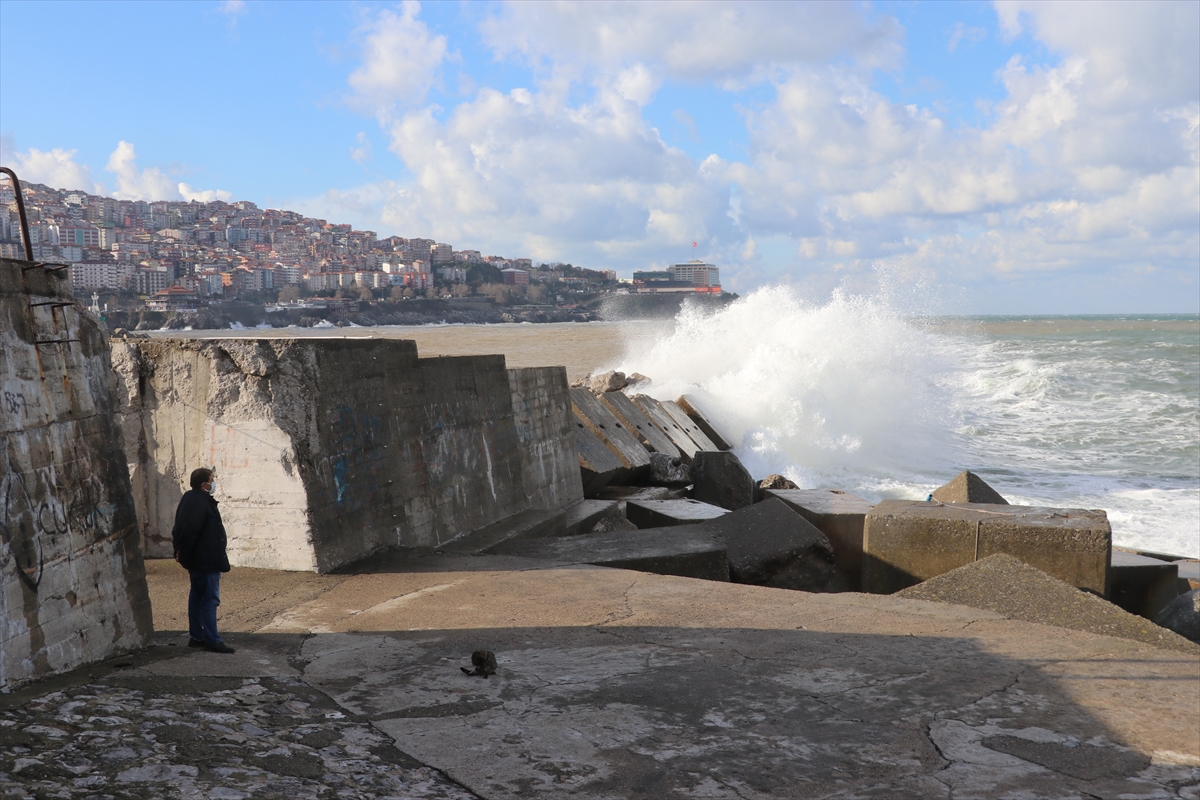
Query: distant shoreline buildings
point(180, 254)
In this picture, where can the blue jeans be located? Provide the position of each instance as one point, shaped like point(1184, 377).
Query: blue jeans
point(203, 600)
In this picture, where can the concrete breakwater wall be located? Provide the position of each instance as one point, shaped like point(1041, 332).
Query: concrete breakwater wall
point(327, 450)
point(73, 586)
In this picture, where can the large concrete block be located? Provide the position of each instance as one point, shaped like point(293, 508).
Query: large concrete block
point(686, 552)
point(313, 476)
point(636, 421)
point(719, 478)
point(598, 466)
point(534, 524)
point(659, 416)
point(72, 581)
point(666, 513)
point(967, 487)
point(769, 544)
point(722, 440)
point(906, 542)
point(837, 514)
point(1142, 585)
point(681, 418)
point(623, 444)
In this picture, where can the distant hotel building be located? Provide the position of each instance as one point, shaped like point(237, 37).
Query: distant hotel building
point(694, 276)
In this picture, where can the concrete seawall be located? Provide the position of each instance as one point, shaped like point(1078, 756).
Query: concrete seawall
point(73, 585)
point(327, 450)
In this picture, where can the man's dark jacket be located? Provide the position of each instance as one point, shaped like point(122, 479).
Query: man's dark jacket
point(199, 535)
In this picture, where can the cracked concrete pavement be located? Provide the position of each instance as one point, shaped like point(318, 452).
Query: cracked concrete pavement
point(616, 684)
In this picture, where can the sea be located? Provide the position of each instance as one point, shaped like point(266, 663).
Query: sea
point(859, 394)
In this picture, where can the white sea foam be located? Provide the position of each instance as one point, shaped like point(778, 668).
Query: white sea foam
point(860, 395)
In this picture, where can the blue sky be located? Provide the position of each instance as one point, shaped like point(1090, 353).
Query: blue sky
point(1012, 157)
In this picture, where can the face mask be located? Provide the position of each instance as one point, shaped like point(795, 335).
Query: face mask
point(212, 487)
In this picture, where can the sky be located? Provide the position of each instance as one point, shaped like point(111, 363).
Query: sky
point(996, 158)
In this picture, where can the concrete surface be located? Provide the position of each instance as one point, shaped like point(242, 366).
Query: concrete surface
point(1010, 587)
point(1142, 585)
point(681, 550)
point(664, 513)
point(719, 478)
point(689, 426)
point(658, 415)
point(636, 421)
point(967, 487)
point(906, 542)
point(313, 474)
point(72, 589)
point(614, 684)
point(769, 544)
point(598, 466)
point(623, 443)
point(837, 514)
point(691, 407)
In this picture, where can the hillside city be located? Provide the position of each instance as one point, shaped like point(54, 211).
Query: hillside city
point(180, 257)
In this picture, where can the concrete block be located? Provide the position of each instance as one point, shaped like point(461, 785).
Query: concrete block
point(598, 466)
point(722, 440)
point(769, 544)
point(313, 476)
point(1182, 616)
point(666, 513)
point(686, 552)
point(1189, 574)
point(534, 524)
point(72, 581)
point(837, 514)
point(967, 487)
point(624, 445)
point(1142, 585)
point(666, 470)
point(1007, 586)
point(906, 542)
point(636, 422)
point(718, 477)
point(680, 418)
point(658, 415)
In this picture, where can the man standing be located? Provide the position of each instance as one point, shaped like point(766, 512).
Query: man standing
point(199, 540)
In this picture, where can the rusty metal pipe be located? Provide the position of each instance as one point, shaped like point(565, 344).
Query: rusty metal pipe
point(20, 212)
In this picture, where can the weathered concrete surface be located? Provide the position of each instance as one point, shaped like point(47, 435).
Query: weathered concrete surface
point(769, 544)
point(671, 429)
point(1011, 587)
point(665, 513)
point(598, 466)
point(624, 445)
point(685, 422)
point(719, 478)
point(967, 487)
point(1142, 585)
point(168, 722)
point(906, 542)
point(636, 421)
point(668, 470)
point(1182, 616)
point(72, 586)
point(327, 450)
point(840, 516)
point(614, 684)
point(691, 407)
point(684, 550)
point(533, 524)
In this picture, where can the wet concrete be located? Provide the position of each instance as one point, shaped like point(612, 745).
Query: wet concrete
point(616, 684)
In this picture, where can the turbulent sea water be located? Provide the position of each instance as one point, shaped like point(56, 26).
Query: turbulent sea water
point(1081, 412)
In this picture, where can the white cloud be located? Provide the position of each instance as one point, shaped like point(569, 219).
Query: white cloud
point(135, 184)
point(233, 8)
point(56, 167)
point(400, 59)
point(1088, 164)
point(717, 41)
point(203, 195)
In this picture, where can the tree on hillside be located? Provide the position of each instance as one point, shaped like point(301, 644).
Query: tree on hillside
point(364, 293)
point(289, 294)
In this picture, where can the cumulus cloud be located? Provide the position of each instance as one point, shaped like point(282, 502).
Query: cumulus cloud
point(1088, 163)
point(400, 59)
point(56, 167)
point(696, 41)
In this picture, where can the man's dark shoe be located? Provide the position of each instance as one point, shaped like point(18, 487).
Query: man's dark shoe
point(218, 647)
point(196, 643)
